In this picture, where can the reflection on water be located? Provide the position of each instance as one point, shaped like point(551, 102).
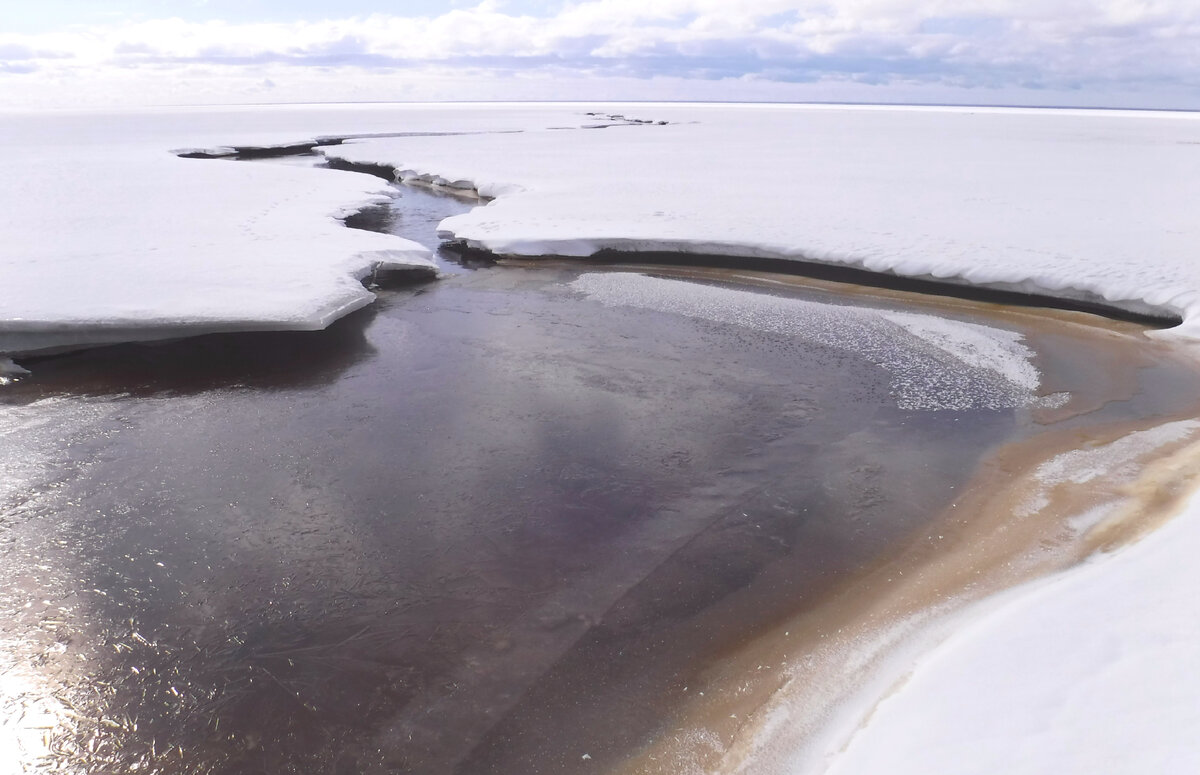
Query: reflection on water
point(488, 525)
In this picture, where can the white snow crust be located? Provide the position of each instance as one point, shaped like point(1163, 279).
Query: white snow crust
point(1092, 671)
point(106, 235)
point(109, 236)
point(1088, 205)
point(935, 364)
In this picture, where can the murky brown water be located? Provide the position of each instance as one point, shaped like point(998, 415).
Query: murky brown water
point(484, 526)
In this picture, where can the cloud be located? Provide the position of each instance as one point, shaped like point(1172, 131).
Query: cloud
point(18, 52)
point(17, 67)
point(14, 51)
point(1071, 45)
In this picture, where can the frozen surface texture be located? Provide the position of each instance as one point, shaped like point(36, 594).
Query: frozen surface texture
point(1082, 205)
point(1092, 671)
point(934, 363)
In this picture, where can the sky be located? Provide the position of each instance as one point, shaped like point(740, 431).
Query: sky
point(1089, 53)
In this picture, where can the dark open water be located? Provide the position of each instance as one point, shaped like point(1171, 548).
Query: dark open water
point(485, 526)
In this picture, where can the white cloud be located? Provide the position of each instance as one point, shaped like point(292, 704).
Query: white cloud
point(1096, 51)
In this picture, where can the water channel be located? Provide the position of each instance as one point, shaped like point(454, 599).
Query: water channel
point(493, 523)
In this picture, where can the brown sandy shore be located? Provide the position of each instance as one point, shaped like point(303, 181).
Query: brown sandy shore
point(789, 698)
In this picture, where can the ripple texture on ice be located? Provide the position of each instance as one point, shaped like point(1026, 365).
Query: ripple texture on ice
point(934, 363)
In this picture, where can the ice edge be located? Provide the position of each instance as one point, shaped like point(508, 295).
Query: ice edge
point(22, 337)
point(1180, 314)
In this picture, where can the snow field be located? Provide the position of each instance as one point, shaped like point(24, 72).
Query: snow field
point(109, 236)
point(1089, 671)
point(1072, 204)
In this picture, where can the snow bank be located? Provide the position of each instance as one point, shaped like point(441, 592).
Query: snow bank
point(108, 236)
point(935, 364)
point(1095, 206)
point(1090, 671)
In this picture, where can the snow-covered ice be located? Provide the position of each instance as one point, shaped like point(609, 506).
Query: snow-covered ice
point(125, 240)
point(109, 236)
point(935, 364)
point(1073, 204)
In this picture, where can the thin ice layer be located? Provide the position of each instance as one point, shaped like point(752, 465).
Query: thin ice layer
point(934, 363)
point(1085, 205)
point(35, 439)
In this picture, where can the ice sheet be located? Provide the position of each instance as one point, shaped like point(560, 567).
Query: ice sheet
point(108, 236)
point(34, 443)
point(1075, 204)
point(141, 239)
point(935, 364)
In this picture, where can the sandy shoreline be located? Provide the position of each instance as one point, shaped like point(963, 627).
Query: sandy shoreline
point(790, 699)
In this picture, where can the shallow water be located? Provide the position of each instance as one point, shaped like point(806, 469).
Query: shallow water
point(487, 525)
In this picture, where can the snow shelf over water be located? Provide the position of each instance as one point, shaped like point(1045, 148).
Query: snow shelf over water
point(1094, 206)
point(107, 235)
